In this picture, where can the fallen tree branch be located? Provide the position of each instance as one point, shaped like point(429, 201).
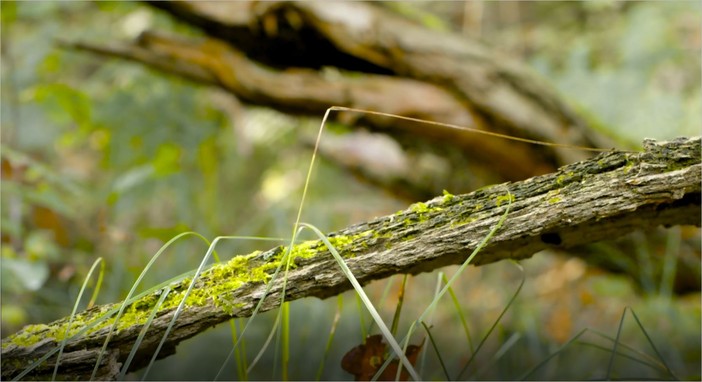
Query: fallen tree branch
point(601, 198)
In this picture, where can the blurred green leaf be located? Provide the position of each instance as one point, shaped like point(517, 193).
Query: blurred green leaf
point(13, 315)
point(633, 75)
point(41, 246)
point(167, 159)
point(21, 275)
point(132, 178)
point(8, 12)
point(612, 286)
point(164, 234)
point(63, 103)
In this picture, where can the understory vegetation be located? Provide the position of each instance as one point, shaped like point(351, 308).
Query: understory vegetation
point(102, 158)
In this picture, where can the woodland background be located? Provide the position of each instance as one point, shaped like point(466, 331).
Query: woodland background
point(107, 158)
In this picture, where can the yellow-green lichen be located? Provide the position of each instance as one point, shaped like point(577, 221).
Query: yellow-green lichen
point(378, 235)
point(463, 222)
point(409, 237)
point(448, 197)
point(419, 207)
point(421, 210)
point(552, 196)
point(561, 179)
point(629, 164)
point(504, 198)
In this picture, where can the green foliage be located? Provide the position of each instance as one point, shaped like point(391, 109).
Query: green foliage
point(91, 141)
point(636, 71)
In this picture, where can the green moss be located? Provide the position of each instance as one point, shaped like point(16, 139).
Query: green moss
point(378, 235)
point(629, 164)
point(483, 188)
point(29, 336)
point(422, 208)
point(463, 222)
point(419, 208)
point(563, 178)
point(409, 237)
point(213, 286)
point(552, 196)
point(448, 197)
point(504, 198)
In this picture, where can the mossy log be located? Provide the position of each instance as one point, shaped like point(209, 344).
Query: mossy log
point(601, 198)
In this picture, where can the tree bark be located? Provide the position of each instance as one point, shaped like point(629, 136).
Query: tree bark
point(601, 198)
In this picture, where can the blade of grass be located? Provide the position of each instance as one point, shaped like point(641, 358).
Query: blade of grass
point(99, 320)
point(239, 354)
point(670, 263)
point(468, 129)
point(276, 347)
point(650, 341)
point(369, 305)
point(332, 331)
point(398, 308)
point(269, 285)
point(644, 262)
point(271, 334)
point(627, 356)
point(616, 344)
point(504, 348)
point(286, 339)
point(210, 252)
point(557, 352)
point(98, 284)
point(142, 333)
point(295, 231)
point(179, 309)
point(274, 276)
point(494, 324)
point(75, 308)
point(436, 350)
point(461, 316)
point(453, 278)
point(437, 289)
point(133, 289)
point(649, 359)
point(381, 302)
point(361, 315)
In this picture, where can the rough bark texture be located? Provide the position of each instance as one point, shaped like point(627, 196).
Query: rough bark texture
point(601, 198)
